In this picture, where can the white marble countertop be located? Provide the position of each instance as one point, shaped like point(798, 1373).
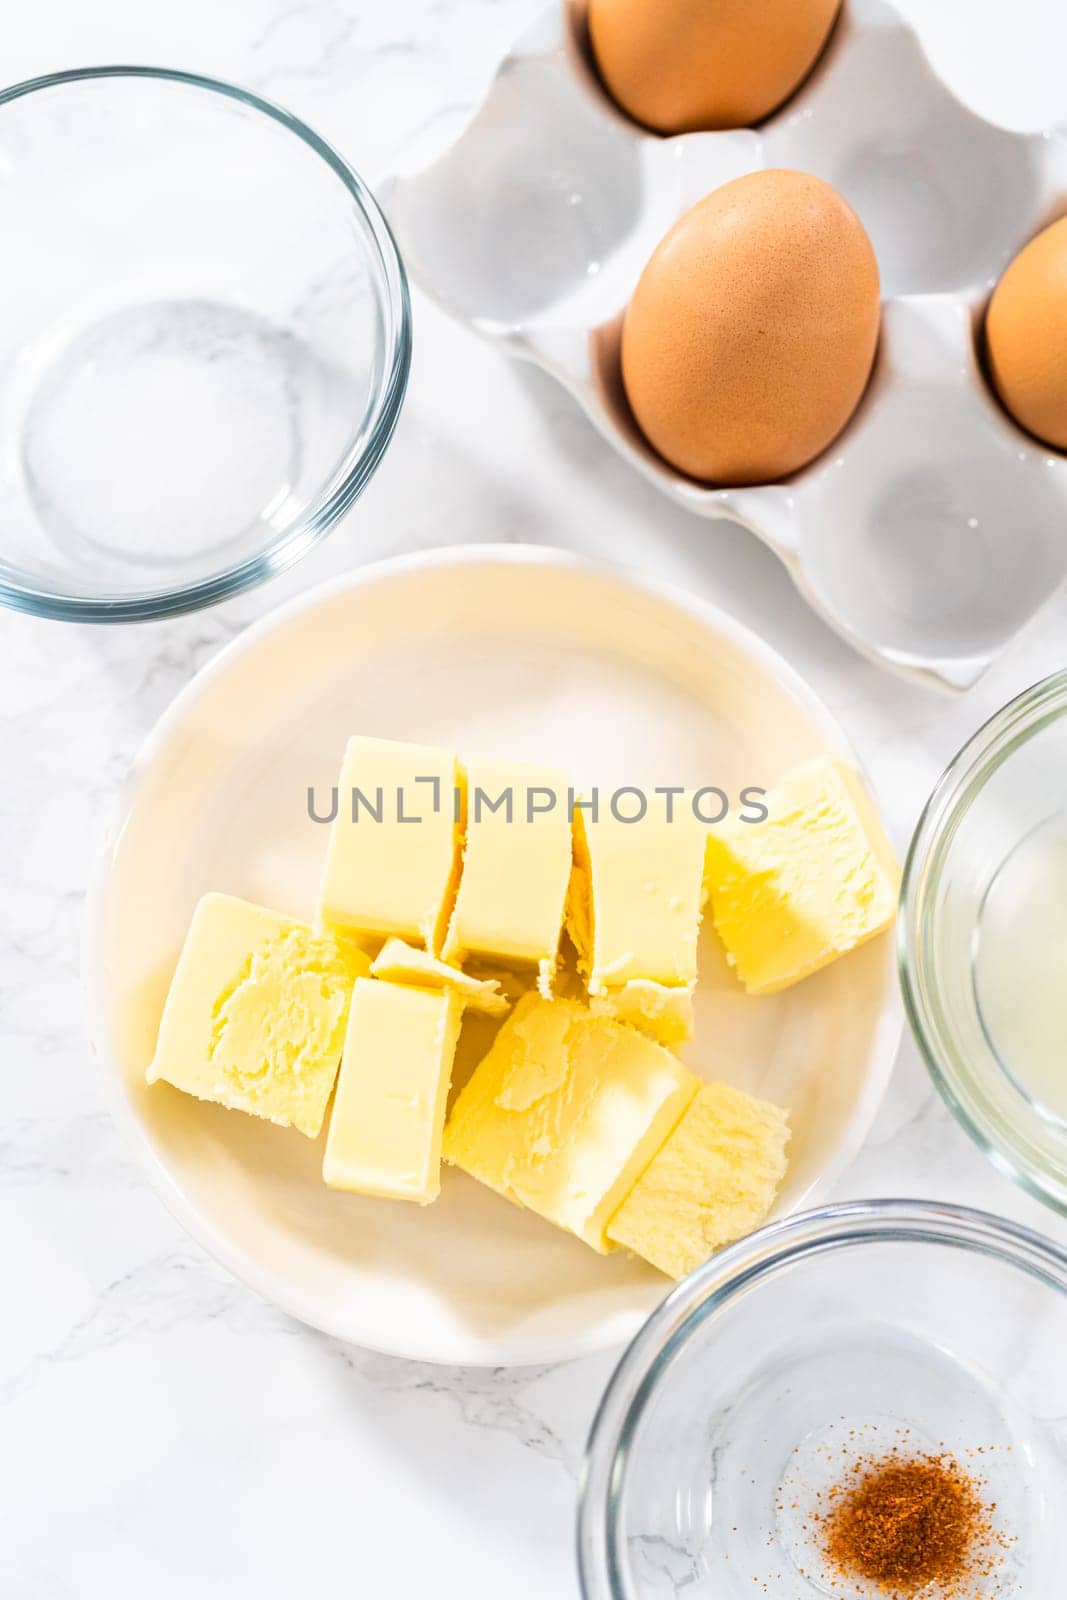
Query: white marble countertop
point(160, 1427)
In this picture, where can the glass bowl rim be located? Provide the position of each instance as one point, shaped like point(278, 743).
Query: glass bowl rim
point(365, 448)
point(985, 752)
point(845, 1225)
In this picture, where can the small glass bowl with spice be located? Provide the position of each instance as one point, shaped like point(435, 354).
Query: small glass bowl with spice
point(868, 1401)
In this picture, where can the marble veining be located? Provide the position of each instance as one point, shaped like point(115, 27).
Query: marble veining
point(160, 1427)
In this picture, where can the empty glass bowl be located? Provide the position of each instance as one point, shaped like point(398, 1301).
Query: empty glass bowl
point(816, 1346)
point(204, 342)
point(983, 938)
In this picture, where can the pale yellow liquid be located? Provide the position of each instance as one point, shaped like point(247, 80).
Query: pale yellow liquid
point(1020, 969)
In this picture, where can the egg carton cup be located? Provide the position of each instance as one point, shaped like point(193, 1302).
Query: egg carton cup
point(933, 528)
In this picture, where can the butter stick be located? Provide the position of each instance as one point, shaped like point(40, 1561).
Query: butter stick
point(389, 1109)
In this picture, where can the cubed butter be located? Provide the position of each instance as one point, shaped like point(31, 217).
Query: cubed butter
point(565, 1112)
point(713, 1180)
point(818, 877)
point(393, 857)
point(398, 962)
point(516, 866)
point(255, 1017)
point(389, 1109)
point(634, 911)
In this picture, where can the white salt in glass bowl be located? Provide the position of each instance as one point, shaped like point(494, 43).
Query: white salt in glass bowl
point(204, 342)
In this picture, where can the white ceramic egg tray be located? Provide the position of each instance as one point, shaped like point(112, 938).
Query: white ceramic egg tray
point(933, 528)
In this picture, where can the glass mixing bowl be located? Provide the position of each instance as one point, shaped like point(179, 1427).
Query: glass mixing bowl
point(983, 938)
point(204, 342)
point(806, 1350)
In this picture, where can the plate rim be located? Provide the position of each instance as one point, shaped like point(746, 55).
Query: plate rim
point(512, 1350)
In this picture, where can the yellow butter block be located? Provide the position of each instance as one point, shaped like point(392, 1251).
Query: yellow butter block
point(389, 1109)
point(516, 867)
point(714, 1180)
point(398, 962)
point(634, 912)
point(814, 880)
point(394, 850)
point(255, 1017)
point(565, 1112)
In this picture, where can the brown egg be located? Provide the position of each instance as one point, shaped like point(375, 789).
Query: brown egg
point(679, 64)
point(751, 333)
point(1026, 336)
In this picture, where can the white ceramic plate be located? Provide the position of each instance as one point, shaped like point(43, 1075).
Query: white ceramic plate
point(511, 651)
point(931, 530)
